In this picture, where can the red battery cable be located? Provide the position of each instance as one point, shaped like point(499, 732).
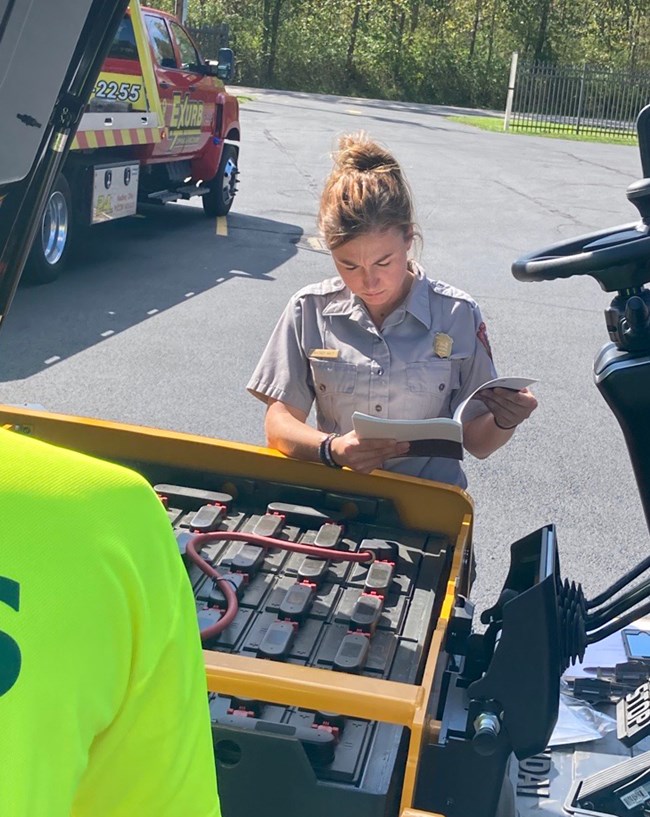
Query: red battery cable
point(199, 541)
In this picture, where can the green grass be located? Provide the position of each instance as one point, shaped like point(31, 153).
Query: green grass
point(493, 123)
point(242, 98)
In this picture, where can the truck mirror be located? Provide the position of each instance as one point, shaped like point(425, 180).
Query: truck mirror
point(226, 64)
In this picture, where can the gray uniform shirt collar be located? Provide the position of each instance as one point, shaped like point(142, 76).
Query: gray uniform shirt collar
point(417, 303)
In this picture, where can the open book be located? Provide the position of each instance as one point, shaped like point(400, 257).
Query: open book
point(437, 437)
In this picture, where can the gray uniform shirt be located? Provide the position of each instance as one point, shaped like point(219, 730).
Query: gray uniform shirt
point(326, 348)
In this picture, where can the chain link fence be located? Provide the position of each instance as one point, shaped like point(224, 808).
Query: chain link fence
point(581, 100)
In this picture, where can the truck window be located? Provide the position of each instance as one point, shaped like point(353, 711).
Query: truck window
point(124, 46)
point(161, 42)
point(189, 54)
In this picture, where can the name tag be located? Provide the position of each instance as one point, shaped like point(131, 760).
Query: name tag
point(324, 354)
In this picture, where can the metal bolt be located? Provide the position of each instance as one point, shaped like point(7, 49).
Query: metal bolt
point(486, 731)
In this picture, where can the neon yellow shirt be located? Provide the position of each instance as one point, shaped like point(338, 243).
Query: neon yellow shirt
point(103, 705)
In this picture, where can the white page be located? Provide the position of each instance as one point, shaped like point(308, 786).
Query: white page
point(515, 383)
point(378, 428)
point(442, 428)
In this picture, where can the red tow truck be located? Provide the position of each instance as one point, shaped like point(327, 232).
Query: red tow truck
point(160, 126)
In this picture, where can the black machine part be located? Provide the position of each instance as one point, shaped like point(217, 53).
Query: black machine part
point(527, 655)
point(619, 259)
point(501, 687)
point(50, 134)
point(623, 379)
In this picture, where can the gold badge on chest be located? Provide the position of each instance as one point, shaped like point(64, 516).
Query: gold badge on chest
point(442, 344)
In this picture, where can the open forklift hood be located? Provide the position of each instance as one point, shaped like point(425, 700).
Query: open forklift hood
point(50, 56)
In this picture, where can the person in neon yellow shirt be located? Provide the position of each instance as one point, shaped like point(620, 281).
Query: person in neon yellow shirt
point(103, 704)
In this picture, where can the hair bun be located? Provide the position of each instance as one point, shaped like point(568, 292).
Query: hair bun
point(358, 152)
point(366, 192)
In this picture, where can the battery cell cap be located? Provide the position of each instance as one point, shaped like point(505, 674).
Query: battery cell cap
point(313, 570)
point(379, 577)
point(366, 613)
point(297, 602)
point(302, 515)
point(277, 641)
point(207, 518)
point(191, 498)
point(248, 559)
point(328, 536)
point(352, 654)
point(268, 525)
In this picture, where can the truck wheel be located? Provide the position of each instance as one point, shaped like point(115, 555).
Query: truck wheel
point(224, 185)
point(51, 248)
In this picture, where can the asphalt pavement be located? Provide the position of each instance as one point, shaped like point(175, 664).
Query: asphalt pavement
point(161, 319)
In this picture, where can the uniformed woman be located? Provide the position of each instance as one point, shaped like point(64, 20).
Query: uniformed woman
point(380, 337)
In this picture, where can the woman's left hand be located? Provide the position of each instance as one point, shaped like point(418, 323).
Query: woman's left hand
point(510, 408)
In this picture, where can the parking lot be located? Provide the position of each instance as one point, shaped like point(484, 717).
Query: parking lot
point(163, 316)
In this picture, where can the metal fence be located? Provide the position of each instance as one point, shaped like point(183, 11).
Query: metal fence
point(580, 100)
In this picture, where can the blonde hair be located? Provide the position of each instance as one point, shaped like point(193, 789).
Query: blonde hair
point(365, 192)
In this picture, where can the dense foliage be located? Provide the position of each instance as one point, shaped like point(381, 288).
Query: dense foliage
point(453, 52)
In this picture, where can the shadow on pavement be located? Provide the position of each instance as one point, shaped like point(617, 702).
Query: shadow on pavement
point(131, 270)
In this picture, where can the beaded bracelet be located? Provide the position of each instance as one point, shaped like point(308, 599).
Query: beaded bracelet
point(325, 451)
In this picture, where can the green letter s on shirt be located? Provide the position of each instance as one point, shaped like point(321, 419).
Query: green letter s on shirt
point(10, 657)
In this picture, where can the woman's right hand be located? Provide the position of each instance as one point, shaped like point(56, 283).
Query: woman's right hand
point(365, 455)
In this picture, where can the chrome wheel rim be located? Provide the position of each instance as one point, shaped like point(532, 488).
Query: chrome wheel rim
point(54, 231)
point(229, 181)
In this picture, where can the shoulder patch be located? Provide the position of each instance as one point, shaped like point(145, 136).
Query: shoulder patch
point(483, 337)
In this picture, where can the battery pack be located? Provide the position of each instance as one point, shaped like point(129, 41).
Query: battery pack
point(370, 619)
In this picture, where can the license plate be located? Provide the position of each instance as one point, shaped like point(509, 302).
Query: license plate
point(115, 192)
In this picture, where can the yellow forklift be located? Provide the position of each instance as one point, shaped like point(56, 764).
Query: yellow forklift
point(344, 668)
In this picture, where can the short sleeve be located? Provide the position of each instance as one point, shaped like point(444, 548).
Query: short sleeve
point(107, 713)
point(283, 372)
point(476, 369)
point(162, 728)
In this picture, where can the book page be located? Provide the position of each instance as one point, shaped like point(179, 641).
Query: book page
point(514, 383)
point(377, 428)
point(435, 437)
